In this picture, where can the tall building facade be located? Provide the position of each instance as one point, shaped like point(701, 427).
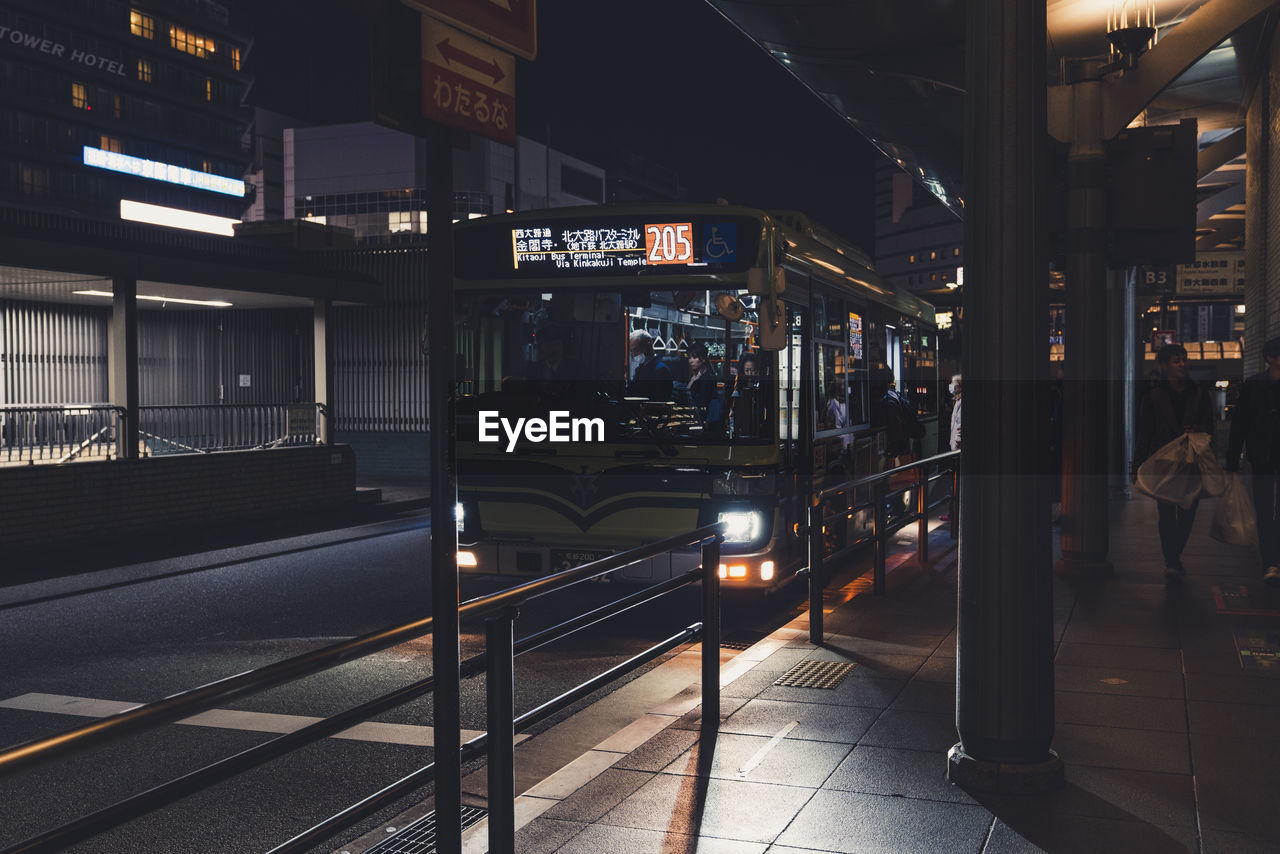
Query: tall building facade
point(371, 179)
point(103, 101)
point(919, 242)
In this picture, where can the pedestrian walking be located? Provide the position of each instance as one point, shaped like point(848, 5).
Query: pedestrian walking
point(1255, 429)
point(1174, 405)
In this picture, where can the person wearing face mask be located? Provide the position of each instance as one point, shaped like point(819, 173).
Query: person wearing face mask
point(650, 376)
point(954, 388)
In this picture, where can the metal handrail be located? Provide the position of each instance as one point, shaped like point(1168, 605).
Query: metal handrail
point(66, 432)
point(58, 432)
point(881, 529)
point(199, 699)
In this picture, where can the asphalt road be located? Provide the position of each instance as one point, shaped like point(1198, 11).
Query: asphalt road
point(91, 644)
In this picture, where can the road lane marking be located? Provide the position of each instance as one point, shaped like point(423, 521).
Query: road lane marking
point(376, 731)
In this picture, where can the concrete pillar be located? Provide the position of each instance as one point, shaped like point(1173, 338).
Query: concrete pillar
point(122, 364)
point(1004, 678)
point(1261, 258)
point(320, 358)
point(1085, 523)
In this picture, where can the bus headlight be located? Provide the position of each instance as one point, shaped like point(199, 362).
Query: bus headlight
point(741, 526)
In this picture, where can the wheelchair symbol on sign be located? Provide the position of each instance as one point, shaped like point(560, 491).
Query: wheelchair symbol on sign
point(717, 247)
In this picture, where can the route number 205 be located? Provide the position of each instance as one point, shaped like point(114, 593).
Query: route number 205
point(669, 243)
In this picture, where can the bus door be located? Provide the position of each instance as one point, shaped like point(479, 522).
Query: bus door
point(795, 424)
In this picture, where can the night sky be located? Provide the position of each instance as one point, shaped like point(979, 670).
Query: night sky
point(670, 80)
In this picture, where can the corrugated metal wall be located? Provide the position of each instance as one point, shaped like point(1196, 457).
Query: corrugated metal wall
point(52, 353)
point(376, 352)
point(183, 357)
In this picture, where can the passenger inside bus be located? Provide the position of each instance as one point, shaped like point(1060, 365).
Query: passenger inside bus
point(648, 362)
point(748, 411)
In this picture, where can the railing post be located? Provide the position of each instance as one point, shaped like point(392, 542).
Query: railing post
point(955, 496)
point(711, 633)
point(500, 692)
point(817, 579)
point(922, 508)
point(878, 531)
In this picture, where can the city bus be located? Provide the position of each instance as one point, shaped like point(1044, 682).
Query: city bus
point(625, 373)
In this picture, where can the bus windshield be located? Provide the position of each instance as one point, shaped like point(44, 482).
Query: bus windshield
point(660, 367)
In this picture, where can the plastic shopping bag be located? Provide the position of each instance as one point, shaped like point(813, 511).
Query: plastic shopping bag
point(1235, 522)
point(1172, 473)
point(1213, 480)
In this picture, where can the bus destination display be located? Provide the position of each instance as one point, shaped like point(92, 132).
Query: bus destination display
point(608, 245)
point(572, 247)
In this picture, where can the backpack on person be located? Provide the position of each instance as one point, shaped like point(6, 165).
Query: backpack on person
point(911, 424)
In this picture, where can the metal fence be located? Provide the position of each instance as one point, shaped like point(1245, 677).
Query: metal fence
point(877, 493)
point(204, 428)
point(498, 611)
point(69, 432)
point(58, 434)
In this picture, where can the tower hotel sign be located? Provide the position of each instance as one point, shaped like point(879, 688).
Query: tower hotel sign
point(8, 35)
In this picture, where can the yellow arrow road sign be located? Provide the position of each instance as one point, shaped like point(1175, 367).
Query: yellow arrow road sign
point(450, 48)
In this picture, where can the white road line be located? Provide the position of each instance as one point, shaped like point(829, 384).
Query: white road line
point(88, 707)
point(764, 751)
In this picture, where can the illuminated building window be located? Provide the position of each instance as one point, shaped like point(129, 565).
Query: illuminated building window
point(141, 24)
point(79, 96)
point(208, 89)
point(911, 259)
point(35, 180)
point(399, 221)
point(933, 256)
point(115, 106)
point(235, 58)
point(110, 143)
point(955, 252)
point(144, 70)
point(206, 166)
point(188, 42)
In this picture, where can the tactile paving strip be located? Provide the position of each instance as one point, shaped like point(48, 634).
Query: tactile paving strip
point(419, 836)
point(816, 674)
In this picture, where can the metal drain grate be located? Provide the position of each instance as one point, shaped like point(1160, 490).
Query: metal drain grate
point(738, 645)
point(816, 674)
point(419, 836)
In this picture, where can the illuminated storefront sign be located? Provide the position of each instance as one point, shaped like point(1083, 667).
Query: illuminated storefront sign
point(162, 172)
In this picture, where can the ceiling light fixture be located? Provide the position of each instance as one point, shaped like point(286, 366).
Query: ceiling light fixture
point(211, 303)
point(1131, 29)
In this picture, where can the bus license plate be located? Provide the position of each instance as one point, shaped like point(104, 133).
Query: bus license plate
point(562, 559)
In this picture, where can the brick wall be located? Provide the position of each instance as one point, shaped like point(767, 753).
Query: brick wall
point(389, 454)
point(84, 503)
